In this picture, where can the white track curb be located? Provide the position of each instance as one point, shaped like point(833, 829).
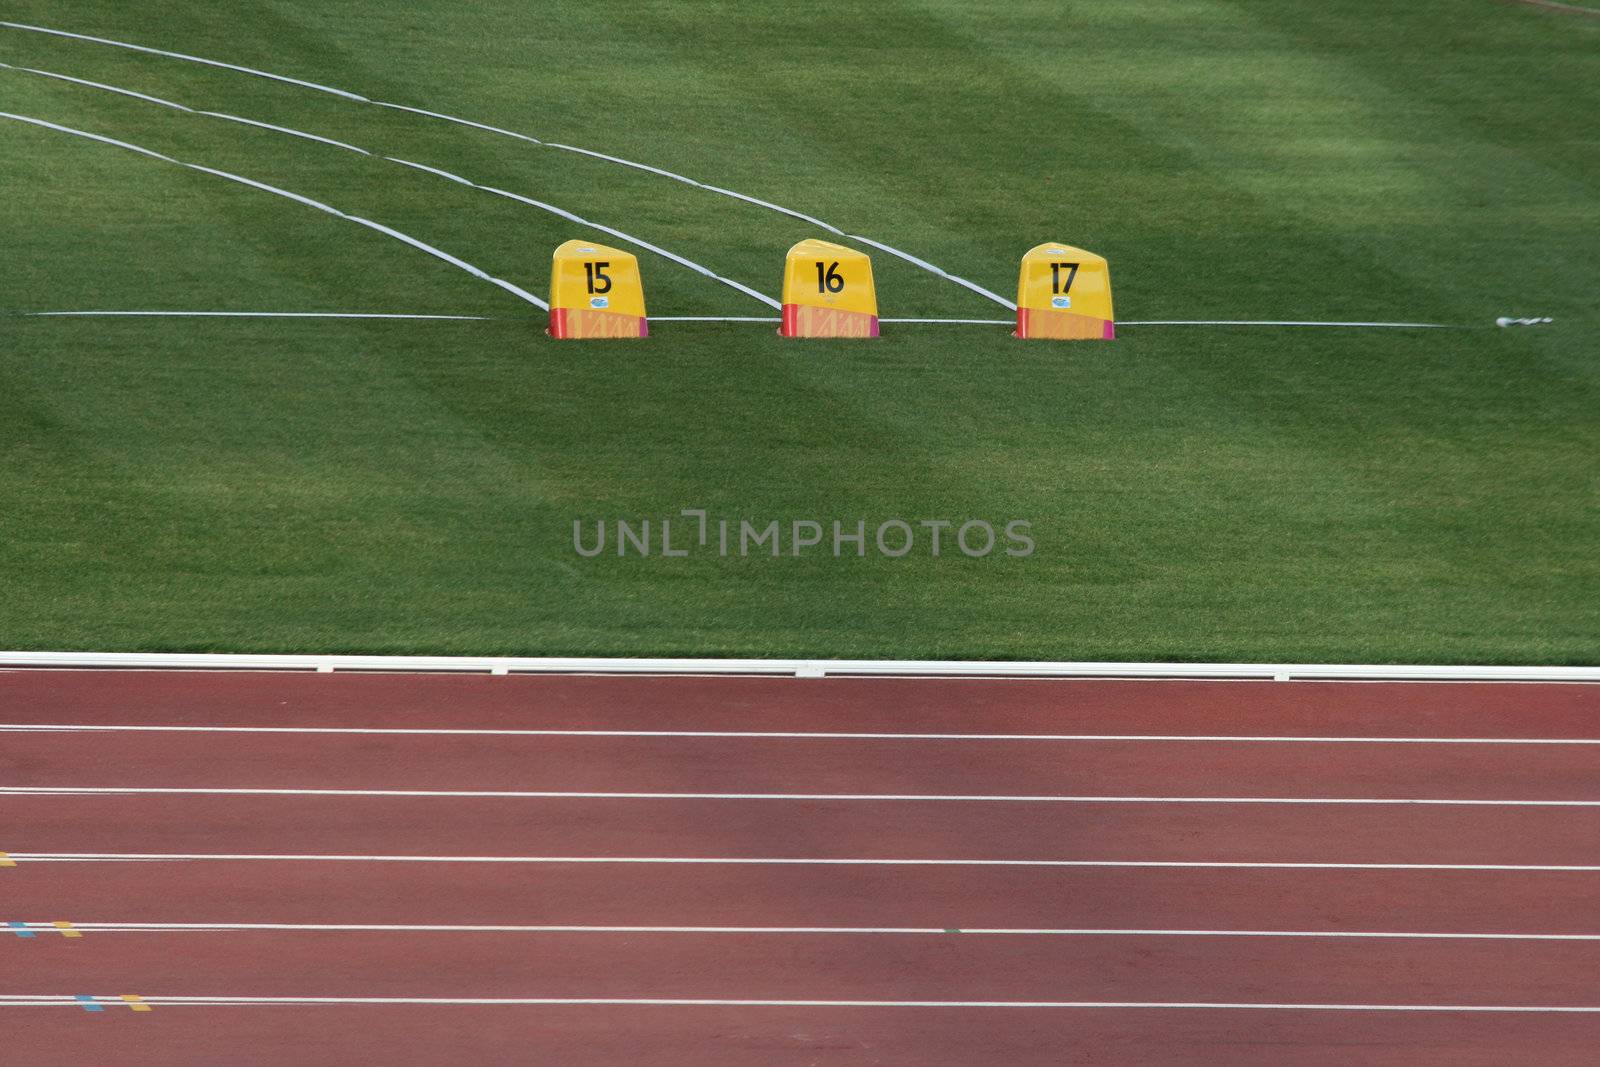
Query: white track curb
point(797, 668)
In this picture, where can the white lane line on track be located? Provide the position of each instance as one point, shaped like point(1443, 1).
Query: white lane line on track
point(1021, 798)
point(937, 271)
point(247, 315)
point(784, 861)
point(804, 735)
point(1064, 932)
point(296, 197)
point(157, 1000)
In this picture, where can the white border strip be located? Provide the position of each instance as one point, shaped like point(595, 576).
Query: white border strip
point(802, 668)
point(866, 798)
point(784, 735)
point(788, 861)
point(409, 928)
point(59, 1000)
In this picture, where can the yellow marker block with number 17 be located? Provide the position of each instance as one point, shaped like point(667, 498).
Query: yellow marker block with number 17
point(595, 291)
point(827, 292)
point(1064, 294)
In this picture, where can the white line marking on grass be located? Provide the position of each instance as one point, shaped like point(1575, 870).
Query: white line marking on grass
point(715, 318)
point(285, 129)
point(248, 315)
point(90, 136)
point(788, 861)
point(1285, 322)
point(460, 121)
point(871, 798)
point(383, 928)
point(657, 249)
point(798, 735)
point(296, 197)
point(955, 322)
point(71, 1001)
point(100, 85)
point(925, 265)
point(456, 178)
point(188, 59)
point(937, 271)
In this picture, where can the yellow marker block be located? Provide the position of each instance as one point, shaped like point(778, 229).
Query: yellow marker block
point(67, 930)
point(6, 860)
point(1064, 294)
point(595, 291)
point(136, 1002)
point(828, 292)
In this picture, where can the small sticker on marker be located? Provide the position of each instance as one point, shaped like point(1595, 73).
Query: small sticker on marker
point(599, 302)
point(1061, 301)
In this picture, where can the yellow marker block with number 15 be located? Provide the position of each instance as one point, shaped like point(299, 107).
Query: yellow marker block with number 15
point(827, 292)
point(595, 291)
point(1064, 294)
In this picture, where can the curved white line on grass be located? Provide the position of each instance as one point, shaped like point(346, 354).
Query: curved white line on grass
point(946, 275)
point(284, 129)
point(799, 735)
point(54, 1000)
point(458, 179)
point(90, 136)
point(925, 265)
point(188, 59)
point(788, 861)
point(869, 798)
point(965, 931)
point(99, 85)
point(247, 315)
point(460, 121)
point(296, 197)
point(657, 249)
point(447, 175)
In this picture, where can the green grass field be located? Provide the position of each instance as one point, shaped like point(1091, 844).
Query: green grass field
point(1195, 493)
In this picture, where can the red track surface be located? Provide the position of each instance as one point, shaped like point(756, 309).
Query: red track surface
point(959, 970)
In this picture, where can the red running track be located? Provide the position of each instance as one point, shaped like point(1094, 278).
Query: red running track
point(1093, 874)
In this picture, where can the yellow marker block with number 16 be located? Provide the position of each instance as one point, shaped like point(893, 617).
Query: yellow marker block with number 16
point(595, 291)
point(827, 292)
point(1064, 294)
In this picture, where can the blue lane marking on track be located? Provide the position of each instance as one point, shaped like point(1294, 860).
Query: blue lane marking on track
point(88, 1003)
point(20, 929)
